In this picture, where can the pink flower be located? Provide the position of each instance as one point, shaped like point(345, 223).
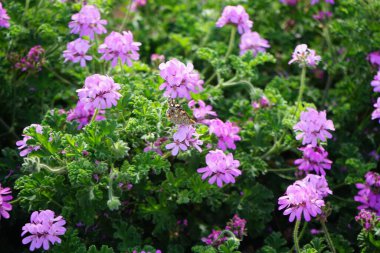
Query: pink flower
point(317, 1)
point(157, 58)
point(155, 146)
point(5, 197)
point(252, 41)
point(213, 238)
point(4, 18)
point(99, 92)
point(369, 193)
point(185, 137)
point(33, 61)
point(322, 15)
point(180, 79)
point(137, 3)
point(44, 228)
point(76, 52)
point(87, 22)
point(226, 132)
point(374, 58)
point(289, 2)
point(83, 115)
point(235, 15)
point(304, 197)
point(305, 56)
point(237, 226)
point(314, 159)
point(201, 110)
point(376, 112)
point(221, 168)
point(313, 126)
point(120, 46)
point(23, 146)
point(376, 82)
point(367, 219)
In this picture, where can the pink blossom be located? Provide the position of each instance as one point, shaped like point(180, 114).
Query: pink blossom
point(120, 46)
point(369, 193)
point(185, 137)
point(235, 15)
point(374, 58)
point(376, 112)
point(322, 15)
point(33, 61)
point(180, 79)
point(157, 58)
point(201, 110)
point(155, 146)
point(87, 22)
point(83, 115)
point(221, 168)
point(99, 92)
point(305, 56)
point(5, 206)
point(376, 82)
point(313, 126)
point(367, 219)
point(137, 3)
point(314, 159)
point(4, 18)
point(226, 132)
point(312, 2)
point(252, 41)
point(44, 228)
point(289, 2)
point(23, 146)
point(76, 52)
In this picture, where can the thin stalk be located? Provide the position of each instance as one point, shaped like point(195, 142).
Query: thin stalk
point(94, 116)
point(301, 234)
point(327, 236)
point(126, 16)
point(281, 170)
point(302, 88)
point(231, 43)
point(295, 236)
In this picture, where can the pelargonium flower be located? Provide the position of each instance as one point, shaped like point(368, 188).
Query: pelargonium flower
point(305, 56)
point(44, 229)
point(369, 193)
point(227, 133)
point(289, 2)
point(374, 58)
point(185, 137)
point(367, 219)
point(76, 52)
point(237, 226)
point(213, 238)
point(376, 82)
point(252, 41)
point(376, 113)
point(201, 110)
point(99, 92)
point(235, 15)
point(262, 103)
point(322, 15)
point(33, 61)
point(221, 168)
point(304, 197)
point(137, 3)
point(5, 206)
point(87, 22)
point(155, 146)
point(313, 126)
point(23, 146)
point(180, 79)
point(317, 1)
point(157, 58)
point(120, 46)
point(314, 159)
point(83, 115)
point(4, 18)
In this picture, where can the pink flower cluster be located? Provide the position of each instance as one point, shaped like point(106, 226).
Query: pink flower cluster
point(23, 146)
point(367, 219)
point(312, 2)
point(226, 132)
point(305, 198)
point(180, 79)
point(120, 46)
point(305, 56)
point(4, 18)
point(314, 159)
point(185, 137)
point(5, 206)
point(262, 103)
point(317, 1)
point(201, 110)
point(76, 52)
point(374, 59)
point(99, 92)
point(33, 61)
point(369, 193)
point(157, 58)
point(137, 3)
point(87, 22)
point(44, 229)
point(322, 15)
point(83, 115)
point(252, 41)
point(221, 168)
point(235, 15)
point(313, 126)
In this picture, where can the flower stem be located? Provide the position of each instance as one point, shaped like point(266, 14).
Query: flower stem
point(302, 88)
point(295, 236)
point(231, 43)
point(94, 116)
point(327, 236)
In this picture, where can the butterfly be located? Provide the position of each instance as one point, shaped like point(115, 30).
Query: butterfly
point(177, 115)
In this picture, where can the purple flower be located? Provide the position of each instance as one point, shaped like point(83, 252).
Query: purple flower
point(99, 92)
point(322, 15)
point(374, 58)
point(155, 146)
point(304, 197)
point(23, 146)
point(33, 61)
point(44, 228)
point(312, 2)
point(305, 56)
point(367, 219)
point(376, 82)
point(251, 41)
point(180, 79)
point(313, 126)
point(235, 15)
point(372, 179)
point(87, 22)
point(76, 52)
point(137, 3)
point(221, 168)
point(262, 103)
point(5, 206)
point(289, 2)
point(227, 133)
point(237, 226)
point(157, 58)
point(201, 110)
point(314, 159)
point(120, 46)
point(4, 18)
point(369, 193)
point(376, 112)
point(83, 115)
point(185, 137)
point(213, 238)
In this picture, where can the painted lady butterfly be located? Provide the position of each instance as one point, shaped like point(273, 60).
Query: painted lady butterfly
point(177, 115)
